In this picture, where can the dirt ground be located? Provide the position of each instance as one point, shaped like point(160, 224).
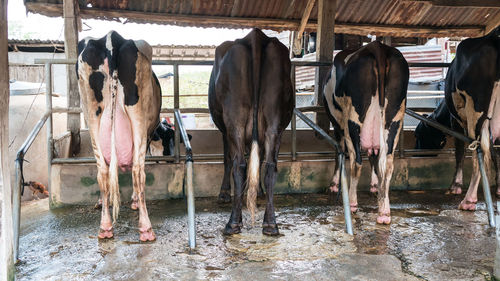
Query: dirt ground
point(429, 239)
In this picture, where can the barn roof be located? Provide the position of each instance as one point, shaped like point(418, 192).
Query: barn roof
point(402, 18)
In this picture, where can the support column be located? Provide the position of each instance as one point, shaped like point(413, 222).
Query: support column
point(324, 53)
point(71, 51)
point(7, 270)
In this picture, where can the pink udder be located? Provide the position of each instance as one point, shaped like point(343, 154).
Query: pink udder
point(370, 131)
point(123, 137)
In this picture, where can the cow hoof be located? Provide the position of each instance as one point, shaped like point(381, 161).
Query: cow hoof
point(384, 219)
point(373, 188)
point(354, 208)
point(224, 197)
point(231, 229)
point(147, 235)
point(270, 229)
point(334, 187)
point(134, 206)
point(456, 188)
point(467, 205)
point(105, 234)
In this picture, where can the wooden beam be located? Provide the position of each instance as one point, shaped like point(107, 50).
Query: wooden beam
point(297, 46)
point(71, 51)
point(265, 23)
point(492, 24)
point(461, 3)
point(325, 43)
point(7, 270)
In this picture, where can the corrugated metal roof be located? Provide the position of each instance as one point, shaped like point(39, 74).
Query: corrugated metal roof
point(373, 13)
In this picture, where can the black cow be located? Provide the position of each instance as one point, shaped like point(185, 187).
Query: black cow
point(472, 94)
point(251, 102)
point(365, 98)
point(428, 137)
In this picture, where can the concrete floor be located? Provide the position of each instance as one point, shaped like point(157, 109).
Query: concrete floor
point(429, 239)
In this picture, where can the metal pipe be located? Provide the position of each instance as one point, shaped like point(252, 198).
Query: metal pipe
point(294, 117)
point(486, 188)
point(55, 61)
point(189, 181)
point(429, 64)
point(177, 139)
point(320, 131)
point(50, 141)
point(345, 194)
point(190, 205)
point(341, 163)
point(211, 62)
point(438, 126)
point(16, 192)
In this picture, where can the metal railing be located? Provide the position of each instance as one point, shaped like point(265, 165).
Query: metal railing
point(189, 181)
point(177, 157)
point(484, 176)
point(341, 165)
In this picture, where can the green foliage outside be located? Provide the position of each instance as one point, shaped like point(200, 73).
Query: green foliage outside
point(190, 83)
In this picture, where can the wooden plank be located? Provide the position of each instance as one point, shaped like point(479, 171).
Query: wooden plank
point(461, 3)
point(297, 46)
point(492, 24)
point(325, 43)
point(71, 51)
point(7, 270)
point(265, 23)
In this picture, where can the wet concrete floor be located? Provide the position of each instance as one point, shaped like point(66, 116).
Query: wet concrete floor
point(429, 239)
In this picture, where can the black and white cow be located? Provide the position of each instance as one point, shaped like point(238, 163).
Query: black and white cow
point(121, 100)
point(251, 102)
point(365, 98)
point(472, 95)
point(162, 140)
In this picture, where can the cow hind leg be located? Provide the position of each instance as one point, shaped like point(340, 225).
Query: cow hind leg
point(269, 226)
point(237, 154)
point(106, 226)
point(384, 209)
point(457, 184)
point(496, 162)
point(334, 184)
point(470, 200)
point(146, 232)
point(225, 189)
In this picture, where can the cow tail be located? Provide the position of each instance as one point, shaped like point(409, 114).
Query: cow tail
point(485, 145)
point(381, 61)
point(114, 192)
point(254, 161)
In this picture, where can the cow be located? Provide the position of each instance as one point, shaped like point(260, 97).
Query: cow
point(251, 102)
point(472, 95)
point(428, 137)
point(162, 140)
point(365, 99)
point(121, 101)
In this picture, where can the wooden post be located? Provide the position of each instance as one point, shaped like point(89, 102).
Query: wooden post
point(387, 40)
point(297, 42)
point(324, 53)
point(7, 270)
point(71, 51)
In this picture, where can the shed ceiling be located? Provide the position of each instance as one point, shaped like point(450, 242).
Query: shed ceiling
point(402, 18)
